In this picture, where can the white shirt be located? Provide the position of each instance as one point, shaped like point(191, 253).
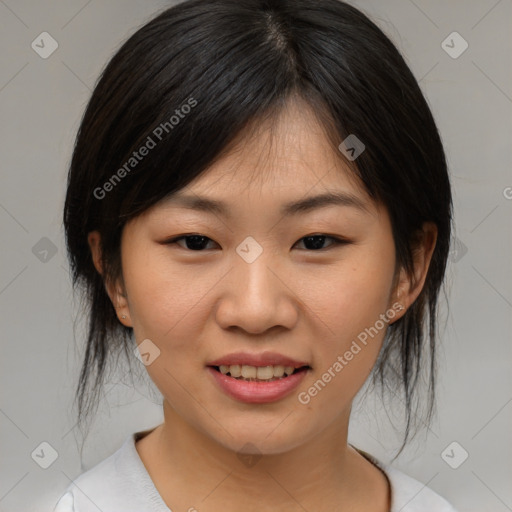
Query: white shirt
point(121, 483)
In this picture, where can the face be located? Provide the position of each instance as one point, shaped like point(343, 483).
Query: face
point(309, 287)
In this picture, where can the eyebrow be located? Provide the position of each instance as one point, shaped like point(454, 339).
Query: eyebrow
point(301, 206)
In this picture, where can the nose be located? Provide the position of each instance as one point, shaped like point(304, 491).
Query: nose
point(256, 297)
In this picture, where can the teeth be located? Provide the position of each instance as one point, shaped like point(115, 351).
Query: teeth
point(253, 372)
point(235, 370)
point(249, 372)
point(265, 372)
point(278, 371)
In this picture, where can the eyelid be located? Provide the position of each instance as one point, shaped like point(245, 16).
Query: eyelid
point(176, 239)
point(337, 241)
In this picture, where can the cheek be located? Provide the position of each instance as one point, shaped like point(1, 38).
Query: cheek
point(170, 308)
point(348, 301)
point(167, 303)
point(348, 350)
point(348, 298)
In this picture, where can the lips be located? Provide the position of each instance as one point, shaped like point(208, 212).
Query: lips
point(261, 359)
point(253, 390)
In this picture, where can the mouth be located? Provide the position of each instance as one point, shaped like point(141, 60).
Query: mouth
point(257, 378)
point(257, 384)
point(249, 373)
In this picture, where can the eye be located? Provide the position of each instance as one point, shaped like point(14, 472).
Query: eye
point(316, 242)
point(198, 243)
point(192, 242)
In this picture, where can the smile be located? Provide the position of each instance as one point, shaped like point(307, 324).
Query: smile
point(257, 385)
point(258, 373)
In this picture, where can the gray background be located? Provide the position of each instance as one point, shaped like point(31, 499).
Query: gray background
point(41, 102)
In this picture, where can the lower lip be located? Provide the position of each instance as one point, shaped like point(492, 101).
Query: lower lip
point(254, 392)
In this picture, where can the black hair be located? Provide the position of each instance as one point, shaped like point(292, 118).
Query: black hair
point(191, 80)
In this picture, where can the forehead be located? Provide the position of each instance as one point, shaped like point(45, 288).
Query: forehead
point(286, 156)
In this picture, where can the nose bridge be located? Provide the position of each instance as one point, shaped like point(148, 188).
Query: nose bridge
point(253, 272)
point(254, 280)
point(257, 299)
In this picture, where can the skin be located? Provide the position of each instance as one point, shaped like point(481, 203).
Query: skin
point(307, 303)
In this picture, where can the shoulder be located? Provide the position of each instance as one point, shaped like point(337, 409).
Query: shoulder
point(119, 482)
point(98, 483)
point(65, 503)
point(407, 493)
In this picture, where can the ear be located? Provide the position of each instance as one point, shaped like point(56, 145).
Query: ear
point(115, 290)
point(406, 287)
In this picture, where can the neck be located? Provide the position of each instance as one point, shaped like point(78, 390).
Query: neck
point(210, 476)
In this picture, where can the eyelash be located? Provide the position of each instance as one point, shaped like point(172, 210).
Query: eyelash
point(337, 241)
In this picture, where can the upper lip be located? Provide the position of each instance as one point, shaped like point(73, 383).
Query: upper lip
point(262, 359)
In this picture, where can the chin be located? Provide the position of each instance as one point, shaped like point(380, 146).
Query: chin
point(260, 439)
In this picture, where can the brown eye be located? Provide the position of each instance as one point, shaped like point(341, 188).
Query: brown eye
point(316, 242)
point(192, 242)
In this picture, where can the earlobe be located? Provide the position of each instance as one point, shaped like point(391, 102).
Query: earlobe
point(118, 296)
point(122, 312)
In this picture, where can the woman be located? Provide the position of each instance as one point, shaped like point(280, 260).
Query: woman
point(258, 209)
